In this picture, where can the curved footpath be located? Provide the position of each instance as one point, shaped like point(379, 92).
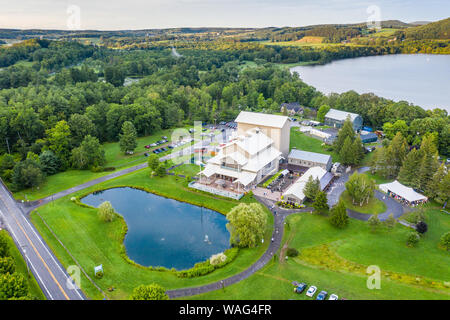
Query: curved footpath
point(279, 217)
point(392, 206)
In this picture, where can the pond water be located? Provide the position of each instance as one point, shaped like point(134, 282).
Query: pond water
point(165, 232)
point(422, 79)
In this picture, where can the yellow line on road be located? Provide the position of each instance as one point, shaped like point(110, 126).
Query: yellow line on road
point(35, 250)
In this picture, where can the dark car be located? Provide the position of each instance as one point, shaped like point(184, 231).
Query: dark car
point(170, 146)
point(163, 149)
point(156, 151)
point(322, 295)
point(146, 154)
point(300, 288)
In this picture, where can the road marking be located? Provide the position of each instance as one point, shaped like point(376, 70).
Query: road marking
point(36, 251)
point(31, 263)
point(45, 264)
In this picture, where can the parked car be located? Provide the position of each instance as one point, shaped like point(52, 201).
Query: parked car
point(311, 291)
point(153, 145)
point(146, 154)
point(156, 151)
point(164, 138)
point(147, 146)
point(170, 146)
point(322, 295)
point(163, 149)
point(333, 297)
point(300, 288)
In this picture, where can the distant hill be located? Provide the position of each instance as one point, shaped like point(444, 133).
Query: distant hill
point(434, 30)
point(419, 23)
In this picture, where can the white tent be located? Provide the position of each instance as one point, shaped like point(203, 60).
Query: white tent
point(404, 192)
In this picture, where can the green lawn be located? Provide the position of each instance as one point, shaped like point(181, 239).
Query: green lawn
point(303, 142)
point(352, 250)
point(187, 169)
point(21, 267)
point(374, 205)
point(92, 242)
point(114, 158)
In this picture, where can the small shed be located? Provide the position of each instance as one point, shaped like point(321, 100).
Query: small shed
point(368, 138)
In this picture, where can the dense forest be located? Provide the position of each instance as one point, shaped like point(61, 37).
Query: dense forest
point(59, 100)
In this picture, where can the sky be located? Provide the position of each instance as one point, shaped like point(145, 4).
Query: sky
point(148, 14)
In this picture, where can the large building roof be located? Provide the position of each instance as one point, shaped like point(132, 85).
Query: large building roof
point(261, 119)
point(340, 115)
point(309, 156)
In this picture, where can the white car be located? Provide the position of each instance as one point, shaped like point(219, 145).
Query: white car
point(311, 291)
point(333, 297)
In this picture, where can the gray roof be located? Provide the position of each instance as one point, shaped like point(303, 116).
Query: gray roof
point(309, 156)
point(340, 115)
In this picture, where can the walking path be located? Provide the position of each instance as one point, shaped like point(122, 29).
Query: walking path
point(279, 217)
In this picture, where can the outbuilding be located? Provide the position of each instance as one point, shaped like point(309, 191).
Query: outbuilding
point(309, 159)
point(336, 118)
point(403, 193)
point(368, 138)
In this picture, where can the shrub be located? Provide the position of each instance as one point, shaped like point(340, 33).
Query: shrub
point(96, 169)
point(413, 239)
point(445, 241)
point(292, 252)
point(12, 286)
point(217, 259)
point(149, 292)
point(374, 222)
point(109, 168)
point(421, 227)
point(7, 265)
point(99, 274)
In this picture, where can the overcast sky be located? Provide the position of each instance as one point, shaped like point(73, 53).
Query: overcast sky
point(134, 14)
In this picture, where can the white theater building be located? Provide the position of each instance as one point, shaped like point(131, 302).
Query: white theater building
point(248, 157)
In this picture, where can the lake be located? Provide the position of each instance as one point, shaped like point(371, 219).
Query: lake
point(422, 79)
point(165, 232)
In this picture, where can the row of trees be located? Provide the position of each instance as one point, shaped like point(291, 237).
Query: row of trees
point(13, 285)
point(417, 168)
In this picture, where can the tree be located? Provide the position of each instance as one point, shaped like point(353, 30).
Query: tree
point(421, 227)
point(321, 202)
point(80, 126)
point(247, 224)
point(27, 174)
point(312, 188)
point(346, 152)
point(390, 221)
point(7, 265)
point(338, 215)
point(161, 170)
point(49, 162)
point(374, 222)
point(408, 172)
point(357, 150)
point(4, 245)
point(360, 188)
point(434, 184)
point(89, 154)
point(153, 162)
point(12, 286)
point(344, 132)
point(106, 212)
point(127, 140)
point(396, 153)
point(445, 241)
point(149, 292)
point(321, 113)
point(429, 163)
point(58, 139)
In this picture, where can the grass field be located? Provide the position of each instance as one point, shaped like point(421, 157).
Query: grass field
point(21, 268)
point(92, 242)
point(187, 169)
point(374, 205)
point(306, 143)
point(335, 260)
point(114, 158)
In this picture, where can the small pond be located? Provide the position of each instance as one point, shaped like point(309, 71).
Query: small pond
point(165, 232)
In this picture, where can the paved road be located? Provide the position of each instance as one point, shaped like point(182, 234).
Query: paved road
point(277, 235)
point(51, 276)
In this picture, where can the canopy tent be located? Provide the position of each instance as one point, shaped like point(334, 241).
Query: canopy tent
point(395, 188)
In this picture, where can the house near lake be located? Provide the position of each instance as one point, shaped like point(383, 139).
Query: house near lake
point(336, 118)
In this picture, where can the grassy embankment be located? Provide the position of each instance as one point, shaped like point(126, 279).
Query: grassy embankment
point(93, 242)
point(335, 260)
